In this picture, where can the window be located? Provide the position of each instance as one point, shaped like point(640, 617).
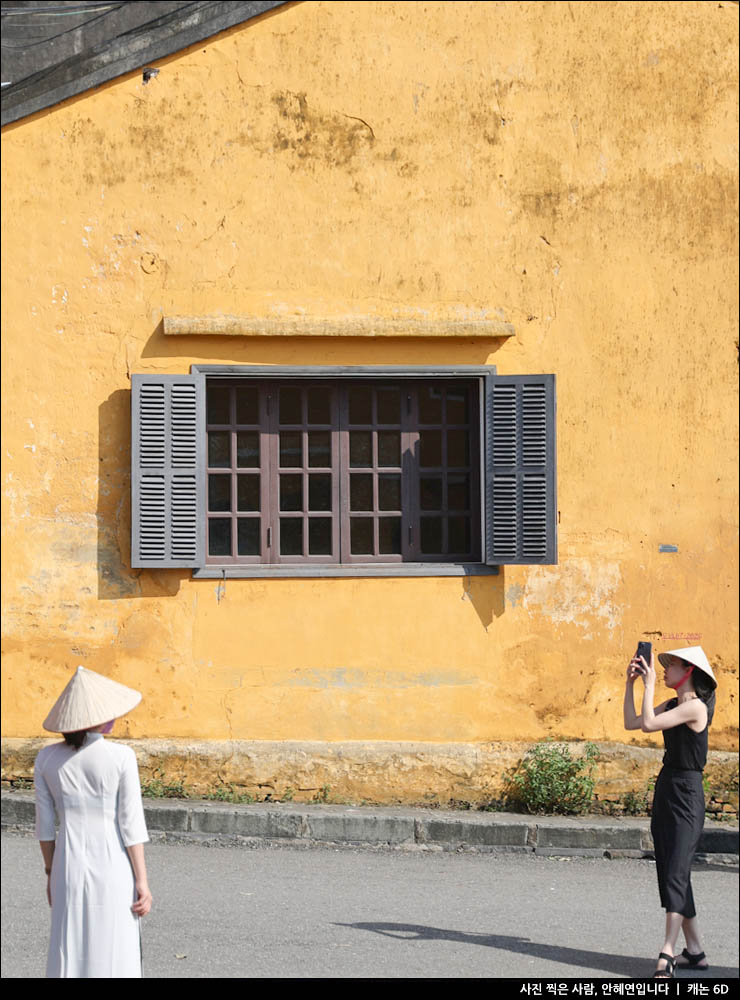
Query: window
point(246, 471)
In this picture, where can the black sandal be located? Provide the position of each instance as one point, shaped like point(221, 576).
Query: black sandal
point(670, 965)
point(692, 961)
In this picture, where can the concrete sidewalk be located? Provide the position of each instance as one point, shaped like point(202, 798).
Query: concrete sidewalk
point(396, 827)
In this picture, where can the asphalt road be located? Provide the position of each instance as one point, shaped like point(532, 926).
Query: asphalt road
point(236, 913)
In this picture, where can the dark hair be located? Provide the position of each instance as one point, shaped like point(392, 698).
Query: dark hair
point(75, 739)
point(705, 692)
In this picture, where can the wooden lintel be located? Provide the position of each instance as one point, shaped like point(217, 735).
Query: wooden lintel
point(343, 326)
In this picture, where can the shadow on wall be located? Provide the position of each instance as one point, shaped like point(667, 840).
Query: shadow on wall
point(486, 594)
point(116, 579)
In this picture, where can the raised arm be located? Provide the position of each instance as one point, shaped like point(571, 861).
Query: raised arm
point(653, 720)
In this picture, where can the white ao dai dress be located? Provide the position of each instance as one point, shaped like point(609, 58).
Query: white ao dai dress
point(97, 797)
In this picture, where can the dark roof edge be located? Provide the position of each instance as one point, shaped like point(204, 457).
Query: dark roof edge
point(136, 48)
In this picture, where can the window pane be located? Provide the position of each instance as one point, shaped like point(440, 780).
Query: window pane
point(430, 448)
point(430, 405)
point(360, 406)
point(430, 494)
point(389, 448)
point(458, 492)
point(219, 492)
point(389, 535)
point(219, 536)
point(247, 406)
point(319, 536)
point(457, 406)
point(319, 492)
point(248, 492)
point(218, 405)
point(361, 536)
point(291, 492)
point(319, 449)
point(219, 450)
point(319, 406)
point(291, 411)
point(291, 536)
point(431, 535)
point(389, 492)
point(248, 536)
point(360, 449)
point(389, 406)
point(457, 449)
point(291, 449)
point(458, 539)
point(247, 449)
point(361, 492)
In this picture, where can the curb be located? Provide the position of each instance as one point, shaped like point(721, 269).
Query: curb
point(395, 827)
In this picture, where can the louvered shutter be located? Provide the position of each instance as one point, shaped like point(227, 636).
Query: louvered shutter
point(520, 506)
point(167, 476)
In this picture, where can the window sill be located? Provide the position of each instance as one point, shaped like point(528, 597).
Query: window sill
point(357, 570)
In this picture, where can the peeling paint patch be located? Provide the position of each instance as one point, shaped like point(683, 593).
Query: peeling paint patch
point(344, 678)
point(575, 592)
point(514, 594)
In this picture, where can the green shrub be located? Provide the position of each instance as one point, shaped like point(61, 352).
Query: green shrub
point(550, 780)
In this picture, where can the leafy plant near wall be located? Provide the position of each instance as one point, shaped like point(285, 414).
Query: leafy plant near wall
point(550, 780)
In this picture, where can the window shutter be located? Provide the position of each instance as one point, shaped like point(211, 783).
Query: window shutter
point(520, 506)
point(167, 475)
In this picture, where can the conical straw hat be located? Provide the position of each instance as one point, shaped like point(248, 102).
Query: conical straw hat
point(89, 700)
point(691, 654)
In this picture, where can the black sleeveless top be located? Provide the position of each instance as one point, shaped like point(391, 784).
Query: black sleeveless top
point(685, 750)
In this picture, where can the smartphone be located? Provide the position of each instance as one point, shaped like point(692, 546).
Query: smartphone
point(645, 649)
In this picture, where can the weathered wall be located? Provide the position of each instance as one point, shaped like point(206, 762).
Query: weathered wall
point(568, 168)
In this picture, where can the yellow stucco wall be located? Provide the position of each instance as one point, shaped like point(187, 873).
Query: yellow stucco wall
point(570, 169)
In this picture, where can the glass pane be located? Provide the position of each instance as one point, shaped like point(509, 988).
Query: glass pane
point(457, 449)
point(319, 536)
point(430, 448)
point(319, 492)
point(319, 406)
point(219, 536)
point(430, 494)
point(389, 535)
point(319, 449)
point(389, 406)
point(458, 537)
point(457, 406)
point(248, 536)
point(247, 406)
point(458, 492)
point(361, 492)
point(291, 449)
point(389, 448)
point(219, 450)
point(360, 406)
point(291, 411)
point(291, 536)
point(248, 493)
point(360, 449)
point(431, 535)
point(247, 449)
point(291, 492)
point(218, 405)
point(361, 536)
point(430, 405)
point(219, 492)
point(389, 492)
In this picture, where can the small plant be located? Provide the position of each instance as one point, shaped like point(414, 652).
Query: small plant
point(551, 780)
point(288, 795)
point(227, 793)
point(156, 788)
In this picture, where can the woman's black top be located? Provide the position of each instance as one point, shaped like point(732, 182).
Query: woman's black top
point(685, 750)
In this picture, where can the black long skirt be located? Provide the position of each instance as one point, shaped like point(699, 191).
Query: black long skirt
point(676, 826)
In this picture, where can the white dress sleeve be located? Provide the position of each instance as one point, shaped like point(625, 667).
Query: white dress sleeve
point(45, 828)
point(131, 821)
